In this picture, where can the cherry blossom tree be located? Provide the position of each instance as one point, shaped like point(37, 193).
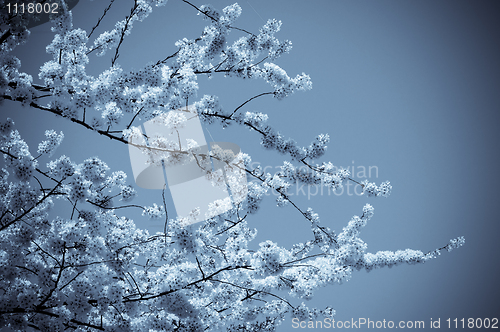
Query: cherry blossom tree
point(95, 270)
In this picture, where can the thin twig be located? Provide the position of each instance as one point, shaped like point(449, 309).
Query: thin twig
point(166, 212)
point(122, 35)
point(257, 96)
point(100, 19)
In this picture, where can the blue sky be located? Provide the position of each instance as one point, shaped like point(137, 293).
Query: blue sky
point(411, 88)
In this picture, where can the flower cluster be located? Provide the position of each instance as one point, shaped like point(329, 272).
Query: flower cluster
point(18, 160)
point(205, 276)
point(284, 85)
point(371, 189)
point(453, 244)
point(52, 142)
point(153, 212)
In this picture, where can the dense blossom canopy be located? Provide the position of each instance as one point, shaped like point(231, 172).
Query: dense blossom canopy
point(95, 270)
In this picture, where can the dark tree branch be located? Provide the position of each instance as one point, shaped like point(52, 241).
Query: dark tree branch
point(72, 279)
point(5, 35)
point(199, 267)
point(209, 277)
point(255, 290)
point(133, 118)
point(135, 283)
point(51, 193)
point(199, 10)
point(234, 224)
point(249, 100)
point(166, 59)
point(214, 19)
point(59, 274)
point(115, 207)
point(100, 19)
point(122, 35)
point(166, 214)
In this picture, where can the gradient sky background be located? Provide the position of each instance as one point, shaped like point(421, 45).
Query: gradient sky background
point(411, 87)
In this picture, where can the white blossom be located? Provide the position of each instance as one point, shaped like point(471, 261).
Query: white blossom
point(52, 142)
point(153, 212)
